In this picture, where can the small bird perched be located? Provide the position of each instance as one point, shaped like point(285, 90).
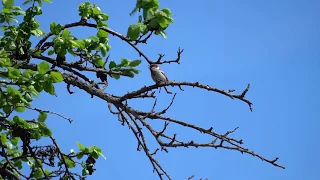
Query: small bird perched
point(158, 75)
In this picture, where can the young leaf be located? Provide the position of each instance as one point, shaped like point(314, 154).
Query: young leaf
point(80, 146)
point(129, 73)
point(112, 64)
point(103, 49)
point(116, 76)
point(49, 88)
point(38, 174)
point(136, 71)
point(65, 33)
point(3, 138)
point(13, 73)
point(133, 32)
point(37, 32)
point(56, 76)
point(70, 163)
point(46, 131)
point(79, 155)
point(98, 61)
point(80, 44)
point(18, 163)
point(135, 63)
point(20, 107)
point(163, 34)
point(50, 52)
point(15, 140)
point(7, 109)
point(8, 3)
point(42, 116)
point(43, 67)
point(125, 62)
point(102, 34)
point(167, 11)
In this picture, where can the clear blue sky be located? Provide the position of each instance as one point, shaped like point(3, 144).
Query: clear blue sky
point(274, 45)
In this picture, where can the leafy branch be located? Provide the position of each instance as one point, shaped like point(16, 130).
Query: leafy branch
point(23, 80)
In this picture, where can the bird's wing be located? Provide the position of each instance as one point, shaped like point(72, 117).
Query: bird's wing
point(164, 75)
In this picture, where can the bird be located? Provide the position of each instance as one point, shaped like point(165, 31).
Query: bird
point(158, 76)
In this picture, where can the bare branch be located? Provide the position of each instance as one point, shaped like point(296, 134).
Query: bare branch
point(191, 84)
point(50, 112)
point(179, 52)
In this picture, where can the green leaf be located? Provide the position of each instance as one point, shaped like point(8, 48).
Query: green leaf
point(15, 140)
point(49, 88)
point(7, 109)
point(18, 163)
point(98, 151)
point(38, 173)
point(102, 34)
point(43, 67)
point(20, 107)
point(116, 76)
point(94, 38)
point(15, 99)
point(167, 11)
point(28, 73)
point(28, 97)
point(65, 33)
point(47, 171)
point(78, 43)
point(94, 154)
point(6, 11)
point(8, 3)
point(55, 28)
point(143, 28)
point(125, 62)
point(3, 138)
point(13, 91)
point(145, 14)
point(45, 131)
point(133, 11)
point(98, 61)
point(37, 32)
point(133, 32)
point(42, 116)
point(163, 34)
point(79, 155)
point(38, 87)
point(103, 49)
point(21, 122)
point(85, 172)
point(136, 71)
point(112, 64)
point(129, 73)
point(135, 63)
point(102, 24)
point(36, 135)
point(80, 146)
point(13, 73)
point(56, 76)
point(70, 163)
point(50, 52)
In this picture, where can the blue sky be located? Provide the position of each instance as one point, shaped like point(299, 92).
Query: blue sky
point(274, 45)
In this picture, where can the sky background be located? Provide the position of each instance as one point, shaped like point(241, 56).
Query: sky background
point(274, 45)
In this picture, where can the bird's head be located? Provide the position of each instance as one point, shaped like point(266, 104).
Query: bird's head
point(154, 66)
